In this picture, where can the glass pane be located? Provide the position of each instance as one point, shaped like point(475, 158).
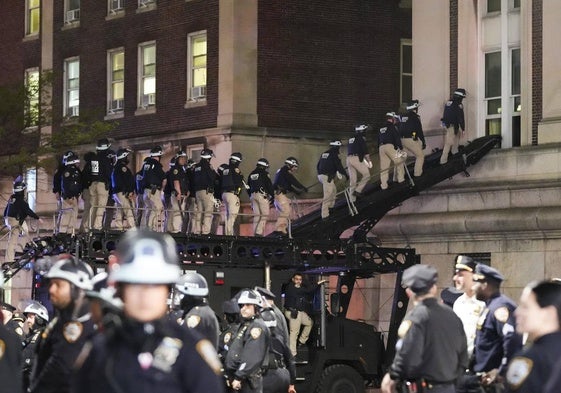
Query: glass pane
point(515, 130)
point(517, 104)
point(73, 83)
point(407, 64)
point(73, 69)
point(118, 91)
point(199, 61)
point(149, 54)
point(199, 46)
point(515, 83)
point(493, 5)
point(199, 77)
point(74, 98)
point(34, 3)
point(494, 107)
point(119, 75)
point(73, 4)
point(493, 127)
point(118, 60)
point(149, 86)
point(516, 4)
point(406, 88)
point(150, 70)
point(34, 20)
point(493, 74)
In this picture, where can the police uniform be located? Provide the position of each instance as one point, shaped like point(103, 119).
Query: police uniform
point(529, 370)
point(15, 213)
point(284, 183)
point(85, 224)
point(204, 178)
point(57, 184)
point(71, 189)
point(261, 195)
point(282, 327)
point(10, 360)
point(357, 151)
point(15, 325)
point(29, 349)
point(432, 347)
point(413, 139)
point(231, 188)
point(329, 166)
point(58, 349)
point(453, 120)
point(99, 171)
point(202, 319)
point(389, 143)
point(139, 183)
point(247, 355)
point(153, 178)
point(232, 316)
point(191, 200)
point(152, 357)
point(177, 187)
point(123, 187)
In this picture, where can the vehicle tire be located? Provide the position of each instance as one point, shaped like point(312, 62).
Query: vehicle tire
point(340, 378)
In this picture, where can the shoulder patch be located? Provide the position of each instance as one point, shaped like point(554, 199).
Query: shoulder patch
point(19, 331)
point(501, 314)
point(175, 171)
point(518, 370)
point(193, 321)
point(255, 332)
point(66, 174)
point(72, 331)
point(207, 352)
point(404, 328)
point(124, 168)
point(227, 337)
point(2, 348)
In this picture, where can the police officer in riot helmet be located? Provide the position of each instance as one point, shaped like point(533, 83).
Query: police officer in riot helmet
point(197, 314)
point(247, 355)
point(390, 149)
point(412, 136)
point(167, 193)
point(453, 120)
point(99, 172)
point(268, 298)
point(358, 160)
point(232, 184)
point(284, 183)
point(153, 180)
point(280, 375)
point(57, 187)
point(85, 224)
point(37, 318)
point(178, 186)
point(261, 194)
point(191, 201)
point(11, 362)
point(123, 187)
point(231, 317)
point(146, 351)
point(71, 189)
point(330, 166)
point(204, 179)
point(66, 334)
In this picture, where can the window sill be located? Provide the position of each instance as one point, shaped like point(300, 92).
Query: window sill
point(31, 37)
point(113, 116)
point(195, 103)
point(71, 25)
point(115, 15)
point(29, 130)
point(147, 8)
point(145, 111)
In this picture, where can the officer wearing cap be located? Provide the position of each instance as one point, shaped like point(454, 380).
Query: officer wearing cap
point(146, 351)
point(358, 160)
point(467, 307)
point(66, 334)
point(231, 315)
point(432, 350)
point(453, 120)
point(269, 303)
point(329, 166)
point(390, 149)
point(247, 355)
point(496, 340)
point(10, 356)
point(261, 194)
point(538, 317)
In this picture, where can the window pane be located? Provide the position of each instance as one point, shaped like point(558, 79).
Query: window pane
point(149, 54)
point(118, 91)
point(406, 88)
point(149, 70)
point(73, 4)
point(517, 104)
point(73, 69)
point(199, 77)
point(149, 86)
point(118, 61)
point(493, 5)
point(118, 75)
point(493, 127)
point(199, 61)
point(516, 4)
point(494, 107)
point(73, 98)
point(493, 74)
point(34, 20)
point(199, 46)
point(34, 3)
point(407, 59)
point(515, 83)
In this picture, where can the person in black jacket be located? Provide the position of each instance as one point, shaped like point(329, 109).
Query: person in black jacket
point(412, 136)
point(37, 318)
point(123, 187)
point(261, 194)
point(232, 184)
point(11, 359)
point(57, 183)
point(358, 161)
point(329, 166)
point(177, 193)
point(71, 189)
point(99, 171)
point(390, 149)
point(15, 213)
point(284, 183)
point(453, 120)
point(153, 180)
point(204, 180)
point(85, 225)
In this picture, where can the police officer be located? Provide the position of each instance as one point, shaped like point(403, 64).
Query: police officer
point(57, 184)
point(268, 298)
point(11, 359)
point(329, 166)
point(204, 178)
point(139, 186)
point(261, 194)
point(453, 120)
point(146, 351)
point(16, 324)
point(85, 224)
point(99, 172)
point(104, 305)
point(15, 213)
point(432, 350)
point(153, 180)
point(37, 318)
point(280, 374)
point(496, 340)
point(71, 189)
point(64, 337)
point(390, 149)
point(123, 187)
point(217, 216)
point(110, 206)
point(538, 317)
point(231, 317)
point(284, 183)
point(412, 136)
point(179, 186)
point(197, 314)
point(247, 355)
point(191, 206)
point(232, 184)
point(167, 194)
point(358, 160)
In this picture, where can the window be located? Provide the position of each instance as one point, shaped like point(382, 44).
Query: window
point(143, 4)
point(493, 6)
point(72, 11)
point(33, 17)
point(515, 95)
point(493, 92)
point(196, 80)
point(147, 75)
point(72, 87)
point(194, 152)
point(515, 4)
point(115, 81)
point(116, 6)
point(32, 89)
point(31, 181)
point(406, 82)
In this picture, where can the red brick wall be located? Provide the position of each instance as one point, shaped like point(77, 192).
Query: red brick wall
point(537, 33)
point(325, 65)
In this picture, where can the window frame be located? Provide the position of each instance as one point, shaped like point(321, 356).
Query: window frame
point(194, 151)
point(405, 42)
point(111, 109)
point(67, 89)
point(35, 101)
point(191, 37)
point(28, 24)
point(142, 77)
point(75, 19)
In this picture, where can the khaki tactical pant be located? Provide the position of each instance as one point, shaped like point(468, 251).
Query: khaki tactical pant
point(415, 147)
point(294, 325)
point(329, 194)
point(125, 207)
point(260, 206)
point(451, 143)
point(154, 206)
point(98, 199)
point(205, 208)
point(354, 166)
point(232, 205)
point(69, 215)
point(282, 203)
point(387, 156)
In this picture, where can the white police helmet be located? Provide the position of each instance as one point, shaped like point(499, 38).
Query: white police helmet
point(192, 284)
point(460, 93)
point(263, 162)
point(361, 127)
point(103, 144)
point(73, 270)
point(19, 186)
point(37, 309)
point(292, 162)
point(248, 296)
point(207, 153)
point(336, 142)
point(156, 151)
point(146, 257)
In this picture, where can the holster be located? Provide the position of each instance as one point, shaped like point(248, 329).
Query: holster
point(330, 178)
point(153, 190)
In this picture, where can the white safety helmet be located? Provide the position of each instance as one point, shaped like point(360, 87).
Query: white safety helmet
point(460, 93)
point(361, 127)
point(37, 309)
point(73, 270)
point(336, 142)
point(146, 257)
point(263, 162)
point(123, 153)
point(248, 296)
point(292, 162)
point(19, 186)
point(156, 151)
point(103, 144)
point(192, 284)
point(207, 153)
point(414, 104)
